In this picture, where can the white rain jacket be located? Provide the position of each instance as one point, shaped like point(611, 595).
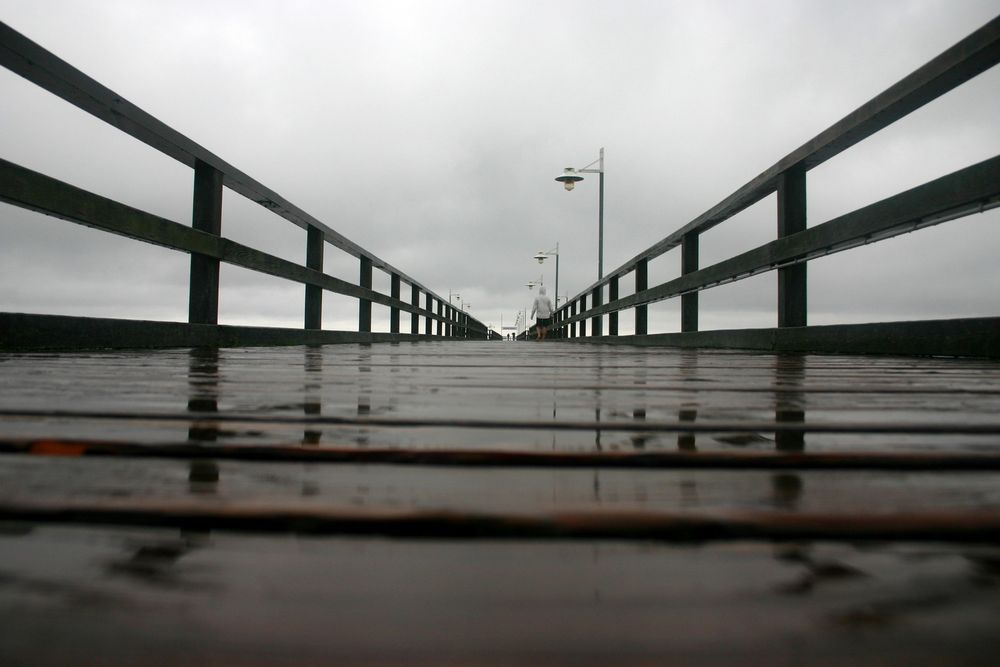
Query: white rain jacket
point(542, 305)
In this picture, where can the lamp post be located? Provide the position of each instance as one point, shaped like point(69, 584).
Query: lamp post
point(569, 179)
point(541, 255)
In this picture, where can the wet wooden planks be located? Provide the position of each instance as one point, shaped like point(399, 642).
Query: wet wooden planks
point(481, 456)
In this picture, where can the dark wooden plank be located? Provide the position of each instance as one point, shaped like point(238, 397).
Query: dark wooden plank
point(477, 396)
point(169, 598)
point(704, 494)
point(572, 560)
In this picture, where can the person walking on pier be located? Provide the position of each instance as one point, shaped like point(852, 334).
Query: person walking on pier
point(543, 306)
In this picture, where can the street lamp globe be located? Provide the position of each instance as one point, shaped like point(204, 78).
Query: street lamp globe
point(569, 178)
point(540, 256)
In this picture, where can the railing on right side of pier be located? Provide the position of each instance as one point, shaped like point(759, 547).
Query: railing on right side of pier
point(970, 190)
point(203, 240)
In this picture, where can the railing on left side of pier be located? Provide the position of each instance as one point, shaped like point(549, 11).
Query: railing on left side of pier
point(203, 240)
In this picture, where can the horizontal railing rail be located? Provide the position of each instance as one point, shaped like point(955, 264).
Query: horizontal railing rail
point(203, 240)
point(964, 192)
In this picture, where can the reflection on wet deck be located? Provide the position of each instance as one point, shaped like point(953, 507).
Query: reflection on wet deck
point(226, 506)
point(507, 396)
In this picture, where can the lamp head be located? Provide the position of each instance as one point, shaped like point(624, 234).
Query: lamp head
point(569, 178)
point(540, 256)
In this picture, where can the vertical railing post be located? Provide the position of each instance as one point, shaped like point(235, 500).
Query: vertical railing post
point(596, 323)
point(613, 296)
point(689, 264)
point(415, 302)
point(315, 243)
point(365, 305)
point(427, 318)
point(394, 287)
point(206, 216)
point(583, 320)
point(440, 313)
point(572, 313)
point(792, 289)
point(641, 283)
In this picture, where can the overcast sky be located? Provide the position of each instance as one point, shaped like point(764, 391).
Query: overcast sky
point(430, 132)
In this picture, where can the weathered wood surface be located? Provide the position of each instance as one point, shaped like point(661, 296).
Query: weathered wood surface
point(497, 504)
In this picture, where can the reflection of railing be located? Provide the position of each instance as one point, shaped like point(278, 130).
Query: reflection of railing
point(970, 190)
point(204, 241)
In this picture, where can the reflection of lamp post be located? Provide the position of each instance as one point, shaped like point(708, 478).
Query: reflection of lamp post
point(569, 179)
point(541, 255)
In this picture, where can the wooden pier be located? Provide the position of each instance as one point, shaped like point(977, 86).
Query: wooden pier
point(417, 492)
point(497, 503)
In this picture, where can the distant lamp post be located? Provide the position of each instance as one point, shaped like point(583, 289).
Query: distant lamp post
point(569, 178)
point(541, 256)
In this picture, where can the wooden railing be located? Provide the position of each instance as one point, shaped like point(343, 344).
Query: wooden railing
point(430, 315)
point(970, 190)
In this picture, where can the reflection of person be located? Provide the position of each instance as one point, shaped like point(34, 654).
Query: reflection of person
point(543, 306)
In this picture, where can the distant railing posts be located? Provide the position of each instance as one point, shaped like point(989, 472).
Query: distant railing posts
point(414, 317)
point(394, 289)
point(429, 307)
point(202, 239)
point(365, 305)
point(792, 291)
point(641, 283)
point(689, 264)
point(314, 293)
point(596, 327)
point(964, 192)
point(203, 300)
point(613, 296)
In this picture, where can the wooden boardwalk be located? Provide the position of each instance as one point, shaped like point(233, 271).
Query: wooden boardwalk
point(497, 504)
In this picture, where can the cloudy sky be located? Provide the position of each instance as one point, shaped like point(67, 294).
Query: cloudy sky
point(430, 132)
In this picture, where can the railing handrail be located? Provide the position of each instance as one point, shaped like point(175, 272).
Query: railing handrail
point(968, 58)
point(33, 62)
point(43, 68)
